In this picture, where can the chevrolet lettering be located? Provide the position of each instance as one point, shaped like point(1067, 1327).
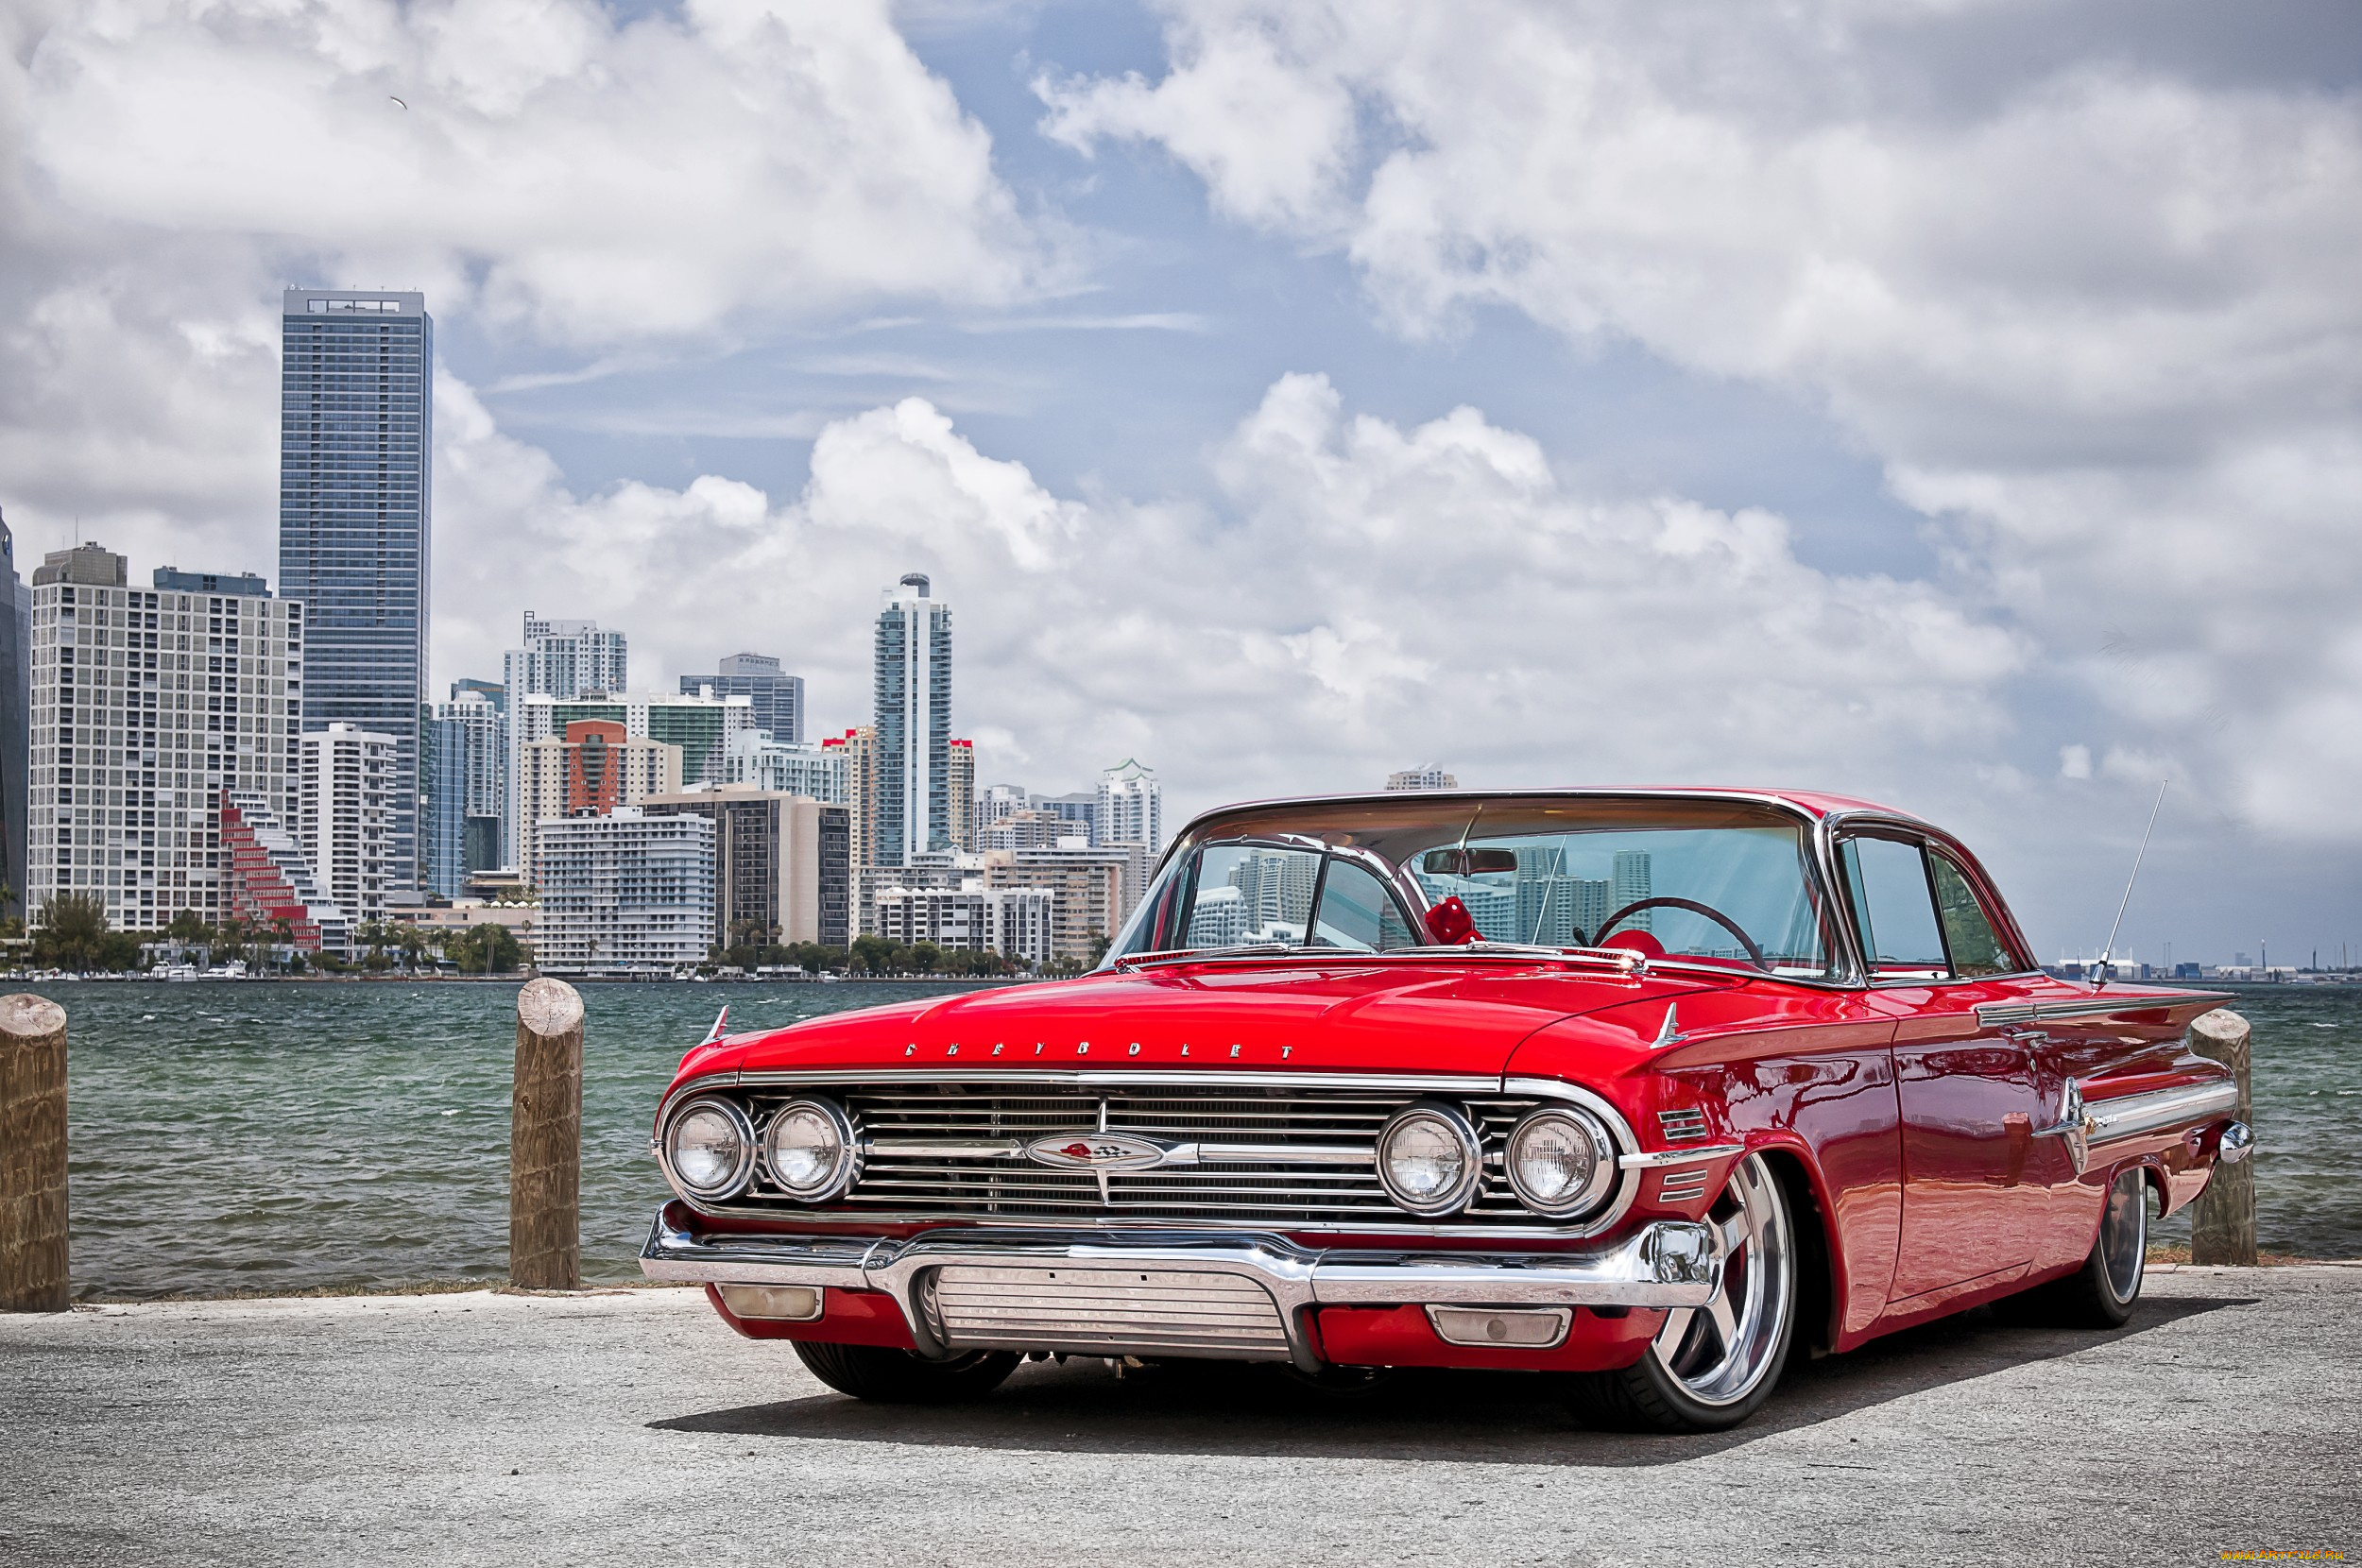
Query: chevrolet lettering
point(1645, 1093)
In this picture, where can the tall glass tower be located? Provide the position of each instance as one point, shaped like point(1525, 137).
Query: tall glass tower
point(356, 445)
point(913, 697)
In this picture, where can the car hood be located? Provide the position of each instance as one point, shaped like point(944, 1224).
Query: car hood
point(1378, 1016)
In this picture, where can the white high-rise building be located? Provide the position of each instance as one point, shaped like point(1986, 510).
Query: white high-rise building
point(1428, 777)
point(564, 658)
point(625, 893)
point(1131, 806)
point(1018, 923)
point(145, 706)
point(344, 815)
point(810, 769)
point(913, 725)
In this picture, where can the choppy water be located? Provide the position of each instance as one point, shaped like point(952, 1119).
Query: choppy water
point(272, 1137)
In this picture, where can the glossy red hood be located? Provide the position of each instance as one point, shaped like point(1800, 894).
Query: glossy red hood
point(1388, 1017)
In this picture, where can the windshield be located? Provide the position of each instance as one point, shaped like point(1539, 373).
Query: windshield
point(1713, 880)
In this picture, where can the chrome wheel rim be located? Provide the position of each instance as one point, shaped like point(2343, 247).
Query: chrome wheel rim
point(2124, 1235)
point(1721, 1352)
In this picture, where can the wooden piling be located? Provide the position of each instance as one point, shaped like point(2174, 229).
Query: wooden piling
point(545, 1140)
point(35, 1269)
point(2222, 1223)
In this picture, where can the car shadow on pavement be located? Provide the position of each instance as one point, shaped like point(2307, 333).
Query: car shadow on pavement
point(1483, 1418)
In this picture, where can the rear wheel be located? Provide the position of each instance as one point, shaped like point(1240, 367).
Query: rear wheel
point(1712, 1367)
point(900, 1377)
point(2101, 1293)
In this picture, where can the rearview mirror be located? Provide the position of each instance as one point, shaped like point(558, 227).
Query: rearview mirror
point(1467, 862)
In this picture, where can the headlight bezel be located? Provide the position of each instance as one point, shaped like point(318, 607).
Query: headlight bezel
point(841, 1173)
point(1458, 1126)
point(740, 1174)
point(1595, 1190)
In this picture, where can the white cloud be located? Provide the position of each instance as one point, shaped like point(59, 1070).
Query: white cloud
point(2097, 317)
point(1364, 593)
point(599, 181)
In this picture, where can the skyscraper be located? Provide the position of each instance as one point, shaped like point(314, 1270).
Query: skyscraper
point(146, 707)
point(564, 659)
point(466, 762)
point(914, 723)
point(1131, 806)
point(16, 698)
point(779, 699)
point(356, 447)
point(344, 816)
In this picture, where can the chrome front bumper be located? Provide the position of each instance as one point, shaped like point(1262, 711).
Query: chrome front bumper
point(1670, 1263)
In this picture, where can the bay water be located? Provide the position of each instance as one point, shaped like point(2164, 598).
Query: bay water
point(236, 1137)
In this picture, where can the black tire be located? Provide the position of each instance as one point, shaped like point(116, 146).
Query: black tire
point(900, 1377)
point(2102, 1292)
point(1678, 1386)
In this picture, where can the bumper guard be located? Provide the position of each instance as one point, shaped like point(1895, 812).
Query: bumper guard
point(1670, 1263)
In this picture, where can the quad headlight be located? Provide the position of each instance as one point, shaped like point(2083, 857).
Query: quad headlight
point(708, 1148)
point(810, 1149)
point(1428, 1158)
point(1561, 1162)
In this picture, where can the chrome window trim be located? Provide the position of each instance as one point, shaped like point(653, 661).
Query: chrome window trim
point(1628, 1145)
point(1844, 954)
point(1835, 826)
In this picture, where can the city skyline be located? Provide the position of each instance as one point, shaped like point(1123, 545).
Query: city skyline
point(1600, 425)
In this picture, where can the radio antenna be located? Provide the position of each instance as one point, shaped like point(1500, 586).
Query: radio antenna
point(2108, 953)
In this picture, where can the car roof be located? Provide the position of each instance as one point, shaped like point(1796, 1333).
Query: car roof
point(1815, 804)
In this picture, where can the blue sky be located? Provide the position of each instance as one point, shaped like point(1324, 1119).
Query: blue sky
point(1955, 405)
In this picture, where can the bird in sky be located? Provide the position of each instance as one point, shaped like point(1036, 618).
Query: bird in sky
point(397, 100)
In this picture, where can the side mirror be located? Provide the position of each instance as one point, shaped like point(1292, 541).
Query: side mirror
point(1450, 925)
point(1467, 862)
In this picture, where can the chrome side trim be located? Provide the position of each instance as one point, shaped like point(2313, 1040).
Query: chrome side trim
point(2131, 1114)
point(2087, 1124)
point(1989, 1013)
point(1666, 1265)
point(1663, 1158)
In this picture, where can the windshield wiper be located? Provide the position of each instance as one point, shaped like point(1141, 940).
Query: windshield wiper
point(1185, 955)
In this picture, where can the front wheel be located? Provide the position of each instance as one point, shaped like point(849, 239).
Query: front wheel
point(1711, 1366)
point(902, 1377)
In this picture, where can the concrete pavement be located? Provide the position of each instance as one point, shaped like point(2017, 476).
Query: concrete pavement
point(633, 1427)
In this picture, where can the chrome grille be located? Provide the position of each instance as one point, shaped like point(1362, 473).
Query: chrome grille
point(1287, 1154)
point(1114, 1310)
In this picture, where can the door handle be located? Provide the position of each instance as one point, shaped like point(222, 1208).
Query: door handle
point(2018, 1035)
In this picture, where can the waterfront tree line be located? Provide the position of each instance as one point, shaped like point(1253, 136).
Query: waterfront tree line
point(71, 932)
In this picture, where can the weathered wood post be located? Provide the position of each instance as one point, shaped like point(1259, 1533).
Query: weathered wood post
point(545, 1140)
point(35, 1272)
point(2222, 1223)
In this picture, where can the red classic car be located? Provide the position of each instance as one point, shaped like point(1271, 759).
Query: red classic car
point(1645, 1090)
